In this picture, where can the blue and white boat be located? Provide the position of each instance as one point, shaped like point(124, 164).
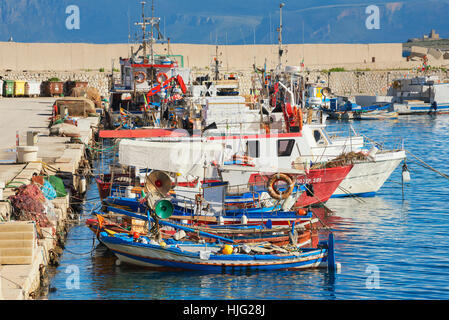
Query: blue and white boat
point(217, 257)
point(417, 95)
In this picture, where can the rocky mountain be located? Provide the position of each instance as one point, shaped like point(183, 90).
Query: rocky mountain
point(224, 22)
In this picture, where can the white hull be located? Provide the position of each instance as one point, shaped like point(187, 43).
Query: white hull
point(369, 177)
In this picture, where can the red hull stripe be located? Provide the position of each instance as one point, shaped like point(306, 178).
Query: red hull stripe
point(258, 136)
point(141, 133)
point(152, 65)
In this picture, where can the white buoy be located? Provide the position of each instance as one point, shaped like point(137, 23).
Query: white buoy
point(220, 220)
point(406, 176)
point(82, 185)
point(129, 193)
point(244, 219)
point(118, 262)
point(338, 267)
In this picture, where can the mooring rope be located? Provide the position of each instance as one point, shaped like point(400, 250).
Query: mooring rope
point(425, 165)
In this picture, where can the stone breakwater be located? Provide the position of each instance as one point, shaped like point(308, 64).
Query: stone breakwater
point(351, 83)
point(99, 80)
point(347, 83)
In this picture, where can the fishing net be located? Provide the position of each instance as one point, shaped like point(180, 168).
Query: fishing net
point(89, 93)
point(28, 204)
point(342, 160)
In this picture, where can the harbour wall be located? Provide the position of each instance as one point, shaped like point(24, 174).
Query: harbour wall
point(83, 56)
point(362, 68)
point(349, 83)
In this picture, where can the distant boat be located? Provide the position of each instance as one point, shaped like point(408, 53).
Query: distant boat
point(377, 115)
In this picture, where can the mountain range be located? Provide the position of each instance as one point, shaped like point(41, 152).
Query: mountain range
point(224, 22)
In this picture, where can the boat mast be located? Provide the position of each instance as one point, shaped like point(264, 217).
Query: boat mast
point(217, 62)
point(280, 51)
point(152, 33)
point(153, 22)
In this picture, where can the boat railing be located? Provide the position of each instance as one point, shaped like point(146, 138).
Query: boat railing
point(122, 191)
point(397, 144)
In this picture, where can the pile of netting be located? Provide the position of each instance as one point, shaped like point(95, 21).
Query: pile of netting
point(29, 204)
point(343, 159)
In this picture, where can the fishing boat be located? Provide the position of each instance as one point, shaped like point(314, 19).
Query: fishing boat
point(414, 96)
point(377, 115)
point(224, 255)
point(146, 252)
point(302, 234)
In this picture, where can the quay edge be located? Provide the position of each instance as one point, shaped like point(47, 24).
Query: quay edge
point(24, 274)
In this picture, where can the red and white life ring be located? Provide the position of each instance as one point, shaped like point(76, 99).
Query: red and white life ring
point(159, 77)
point(140, 76)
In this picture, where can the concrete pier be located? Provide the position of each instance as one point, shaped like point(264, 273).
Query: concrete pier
point(23, 257)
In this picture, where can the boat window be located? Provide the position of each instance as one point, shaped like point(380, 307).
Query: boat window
point(252, 148)
point(285, 147)
point(318, 137)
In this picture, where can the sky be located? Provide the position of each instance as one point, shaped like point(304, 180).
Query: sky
point(223, 21)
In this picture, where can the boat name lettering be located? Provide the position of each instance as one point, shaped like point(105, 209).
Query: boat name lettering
point(308, 180)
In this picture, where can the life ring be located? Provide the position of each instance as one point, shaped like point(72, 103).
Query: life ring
point(181, 84)
point(140, 76)
point(158, 77)
point(273, 190)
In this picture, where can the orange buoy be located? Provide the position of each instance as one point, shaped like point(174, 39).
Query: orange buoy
point(136, 235)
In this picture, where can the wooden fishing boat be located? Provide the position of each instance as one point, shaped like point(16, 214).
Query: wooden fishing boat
point(377, 115)
point(269, 215)
point(217, 257)
point(304, 236)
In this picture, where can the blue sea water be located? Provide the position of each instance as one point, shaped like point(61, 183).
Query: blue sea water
point(389, 247)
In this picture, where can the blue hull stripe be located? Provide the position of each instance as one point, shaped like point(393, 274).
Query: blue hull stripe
point(223, 267)
point(363, 195)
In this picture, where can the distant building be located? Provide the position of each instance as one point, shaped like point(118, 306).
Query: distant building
point(431, 36)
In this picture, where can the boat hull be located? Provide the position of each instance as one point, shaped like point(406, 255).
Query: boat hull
point(366, 178)
point(321, 184)
point(155, 256)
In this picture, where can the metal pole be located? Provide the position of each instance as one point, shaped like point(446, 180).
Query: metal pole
point(280, 36)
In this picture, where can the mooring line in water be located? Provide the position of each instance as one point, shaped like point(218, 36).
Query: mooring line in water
point(428, 166)
point(75, 253)
point(355, 197)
